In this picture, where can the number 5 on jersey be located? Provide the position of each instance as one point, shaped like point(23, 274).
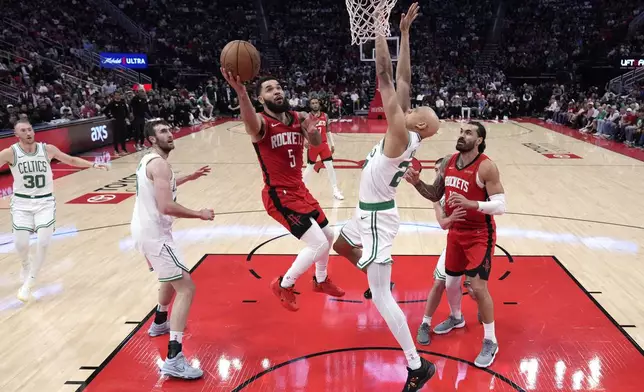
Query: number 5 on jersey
point(292, 157)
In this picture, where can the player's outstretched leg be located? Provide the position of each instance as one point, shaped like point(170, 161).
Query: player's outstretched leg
point(328, 165)
point(419, 369)
point(317, 249)
point(454, 297)
point(486, 308)
point(42, 244)
point(21, 242)
point(176, 365)
point(321, 282)
point(161, 325)
point(433, 299)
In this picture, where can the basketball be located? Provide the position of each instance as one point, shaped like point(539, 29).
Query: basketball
point(241, 58)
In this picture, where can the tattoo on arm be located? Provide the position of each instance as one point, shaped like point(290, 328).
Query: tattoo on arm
point(435, 191)
point(432, 192)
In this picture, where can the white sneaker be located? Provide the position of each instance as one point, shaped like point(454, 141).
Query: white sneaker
point(178, 367)
point(24, 293)
point(159, 329)
point(337, 194)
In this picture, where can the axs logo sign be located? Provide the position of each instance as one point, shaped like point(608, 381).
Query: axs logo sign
point(99, 133)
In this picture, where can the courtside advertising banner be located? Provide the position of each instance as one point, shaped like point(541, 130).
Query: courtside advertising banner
point(126, 60)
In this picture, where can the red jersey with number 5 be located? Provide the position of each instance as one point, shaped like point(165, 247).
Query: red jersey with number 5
point(280, 152)
point(321, 123)
point(466, 182)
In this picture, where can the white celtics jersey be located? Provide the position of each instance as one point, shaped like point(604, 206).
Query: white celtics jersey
point(149, 226)
point(32, 175)
point(381, 175)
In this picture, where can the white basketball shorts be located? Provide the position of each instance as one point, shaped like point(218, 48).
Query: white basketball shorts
point(439, 271)
point(32, 214)
point(373, 228)
point(165, 259)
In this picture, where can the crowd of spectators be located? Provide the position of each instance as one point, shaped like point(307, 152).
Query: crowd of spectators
point(43, 47)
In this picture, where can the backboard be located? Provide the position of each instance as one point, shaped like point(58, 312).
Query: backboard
point(368, 49)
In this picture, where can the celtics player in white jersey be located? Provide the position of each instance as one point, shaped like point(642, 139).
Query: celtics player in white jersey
point(154, 211)
point(375, 222)
point(33, 206)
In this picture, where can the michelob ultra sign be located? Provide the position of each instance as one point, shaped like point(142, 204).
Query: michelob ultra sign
point(126, 60)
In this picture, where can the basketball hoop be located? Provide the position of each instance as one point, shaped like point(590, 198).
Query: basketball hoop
point(369, 19)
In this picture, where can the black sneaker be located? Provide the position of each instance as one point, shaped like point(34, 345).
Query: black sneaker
point(417, 378)
point(367, 294)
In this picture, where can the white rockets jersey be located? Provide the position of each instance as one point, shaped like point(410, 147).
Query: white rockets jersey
point(381, 175)
point(149, 226)
point(32, 175)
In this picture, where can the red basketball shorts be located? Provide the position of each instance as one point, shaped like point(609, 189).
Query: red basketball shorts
point(323, 151)
point(293, 208)
point(470, 252)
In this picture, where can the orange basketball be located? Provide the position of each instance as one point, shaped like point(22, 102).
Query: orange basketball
point(241, 58)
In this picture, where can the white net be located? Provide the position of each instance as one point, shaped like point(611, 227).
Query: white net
point(369, 19)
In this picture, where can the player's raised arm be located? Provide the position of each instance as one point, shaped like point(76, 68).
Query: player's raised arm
point(432, 192)
point(249, 116)
point(397, 136)
point(158, 170)
point(403, 68)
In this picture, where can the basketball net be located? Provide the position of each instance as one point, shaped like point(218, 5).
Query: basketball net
point(369, 19)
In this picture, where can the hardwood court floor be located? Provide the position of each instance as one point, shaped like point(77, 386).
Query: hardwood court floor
point(94, 288)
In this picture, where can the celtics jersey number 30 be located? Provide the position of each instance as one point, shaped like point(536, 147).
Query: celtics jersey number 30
point(32, 175)
point(381, 175)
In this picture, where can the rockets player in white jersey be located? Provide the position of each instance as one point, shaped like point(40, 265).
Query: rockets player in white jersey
point(325, 150)
point(33, 206)
point(375, 222)
point(154, 211)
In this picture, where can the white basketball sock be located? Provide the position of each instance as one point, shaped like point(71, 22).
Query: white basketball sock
point(42, 244)
point(331, 173)
point(21, 242)
point(176, 336)
point(307, 172)
point(317, 245)
point(488, 330)
point(379, 276)
point(454, 295)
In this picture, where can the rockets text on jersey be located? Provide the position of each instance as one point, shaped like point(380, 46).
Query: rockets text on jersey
point(280, 152)
point(465, 181)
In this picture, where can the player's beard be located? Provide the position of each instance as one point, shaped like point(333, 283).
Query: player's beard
point(462, 146)
point(166, 147)
point(277, 108)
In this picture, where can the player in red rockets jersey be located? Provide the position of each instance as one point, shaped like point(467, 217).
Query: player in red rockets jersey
point(325, 150)
point(278, 136)
point(470, 181)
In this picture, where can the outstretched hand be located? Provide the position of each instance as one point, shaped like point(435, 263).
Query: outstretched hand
point(234, 81)
point(407, 18)
point(412, 176)
point(202, 171)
